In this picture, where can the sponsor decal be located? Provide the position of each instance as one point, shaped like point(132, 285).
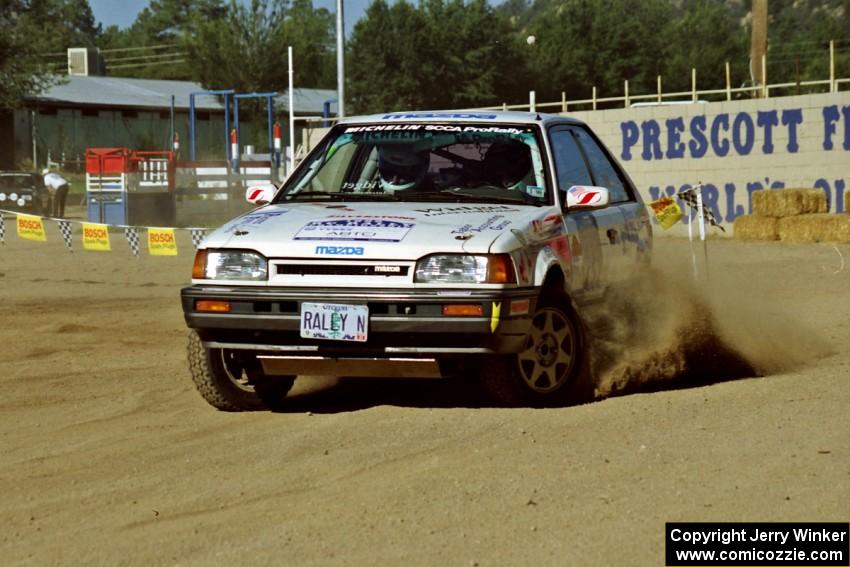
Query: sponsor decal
point(31, 228)
point(561, 246)
point(384, 128)
point(340, 250)
point(254, 219)
point(438, 211)
point(161, 242)
point(357, 229)
point(458, 115)
point(388, 269)
point(496, 222)
point(96, 237)
point(536, 191)
point(382, 217)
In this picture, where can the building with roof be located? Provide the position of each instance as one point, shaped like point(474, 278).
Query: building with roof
point(96, 111)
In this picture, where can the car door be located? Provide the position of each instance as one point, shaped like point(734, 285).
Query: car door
point(627, 220)
point(597, 247)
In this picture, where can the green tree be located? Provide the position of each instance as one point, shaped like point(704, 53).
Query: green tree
point(441, 54)
point(704, 35)
point(247, 49)
point(23, 68)
point(153, 46)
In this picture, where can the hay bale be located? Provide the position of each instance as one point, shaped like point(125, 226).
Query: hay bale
point(842, 228)
point(751, 227)
point(821, 227)
point(847, 201)
point(781, 203)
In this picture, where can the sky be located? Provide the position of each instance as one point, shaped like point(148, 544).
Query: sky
point(122, 13)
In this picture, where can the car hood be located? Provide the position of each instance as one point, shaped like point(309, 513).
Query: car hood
point(372, 230)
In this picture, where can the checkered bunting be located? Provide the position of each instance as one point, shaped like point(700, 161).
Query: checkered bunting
point(132, 235)
point(65, 229)
point(198, 234)
point(689, 197)
point(2, 230)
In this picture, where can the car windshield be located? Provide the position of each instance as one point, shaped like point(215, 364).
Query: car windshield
point(432, 161)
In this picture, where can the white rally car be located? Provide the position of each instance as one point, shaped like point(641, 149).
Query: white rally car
point(420, 244)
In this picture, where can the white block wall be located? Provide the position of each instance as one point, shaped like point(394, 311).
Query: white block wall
point(820, 158)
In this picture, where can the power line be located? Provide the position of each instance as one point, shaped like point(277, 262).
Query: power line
point(130, 65)
point(143, 57)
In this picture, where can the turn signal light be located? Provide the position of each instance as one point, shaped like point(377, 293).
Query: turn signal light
point(463, 310)
point(210, 306)
point(199, 268)
point(500, 269)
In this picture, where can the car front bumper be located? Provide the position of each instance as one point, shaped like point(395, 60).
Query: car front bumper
point(402, 322)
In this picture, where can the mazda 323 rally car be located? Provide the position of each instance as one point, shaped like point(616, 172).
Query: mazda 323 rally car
point(418, 244)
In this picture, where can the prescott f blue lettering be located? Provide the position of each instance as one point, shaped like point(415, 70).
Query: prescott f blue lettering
point(724, 134)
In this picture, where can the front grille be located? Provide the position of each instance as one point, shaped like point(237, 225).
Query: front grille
point(388, 270)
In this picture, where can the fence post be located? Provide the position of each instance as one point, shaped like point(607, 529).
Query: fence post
point(764, 90)
point(832, 84)
point(594, 98)
point(504, 106)
point(563, 101)
point(532, 101)
point(693, 84)
point(626, 93)
point(658, 81)
point(728, 82)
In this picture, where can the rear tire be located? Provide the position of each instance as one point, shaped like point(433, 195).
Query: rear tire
point(550, 370)
point(230, 381)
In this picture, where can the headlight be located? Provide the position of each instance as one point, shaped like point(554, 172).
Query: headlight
point(230, 265)
point(458, 268)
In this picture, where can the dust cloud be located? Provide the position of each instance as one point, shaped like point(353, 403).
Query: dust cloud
point(670, 329)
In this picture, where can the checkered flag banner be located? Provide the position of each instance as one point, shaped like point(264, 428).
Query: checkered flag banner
point(65, 229)
point(2, 230)
point(198, 235)
point(132, 235)
point(689, 197)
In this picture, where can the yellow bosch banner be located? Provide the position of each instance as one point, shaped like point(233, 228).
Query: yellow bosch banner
point(96, 237)
point(161, 242)
point(31, 228)
point(667, 211)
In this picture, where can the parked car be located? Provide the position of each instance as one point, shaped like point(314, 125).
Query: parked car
point(418, 244)
point(20, 190)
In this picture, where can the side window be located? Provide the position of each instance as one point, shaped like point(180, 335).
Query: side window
point(604, 172)
point(569, 163)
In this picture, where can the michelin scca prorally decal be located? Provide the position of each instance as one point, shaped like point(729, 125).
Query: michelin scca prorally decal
point(360, 229)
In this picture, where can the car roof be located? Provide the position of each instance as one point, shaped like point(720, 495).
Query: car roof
point(483, 116)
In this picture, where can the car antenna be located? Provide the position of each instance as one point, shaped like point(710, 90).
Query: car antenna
point(538, 117)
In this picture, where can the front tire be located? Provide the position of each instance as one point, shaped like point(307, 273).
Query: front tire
point(230, 381)
point(547, 371)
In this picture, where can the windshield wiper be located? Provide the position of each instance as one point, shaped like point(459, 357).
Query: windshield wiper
point(454, 196)
point(321, 195)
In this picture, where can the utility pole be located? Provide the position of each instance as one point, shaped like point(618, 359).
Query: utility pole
point(340, 60)
point(758, 45)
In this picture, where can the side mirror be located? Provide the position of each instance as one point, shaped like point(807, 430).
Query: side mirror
point(260, 194)
point(587, 197)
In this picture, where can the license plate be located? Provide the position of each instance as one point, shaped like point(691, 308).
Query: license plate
point(334, 321)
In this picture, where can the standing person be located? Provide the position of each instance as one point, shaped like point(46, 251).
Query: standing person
point(57, 186)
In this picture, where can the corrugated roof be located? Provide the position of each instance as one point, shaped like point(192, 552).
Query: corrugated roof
point(155, 93)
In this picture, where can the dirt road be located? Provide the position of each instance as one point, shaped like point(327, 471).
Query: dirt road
point(109, 455)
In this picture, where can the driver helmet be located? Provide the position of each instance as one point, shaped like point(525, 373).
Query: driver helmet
point(507, 162)
point(400, 167)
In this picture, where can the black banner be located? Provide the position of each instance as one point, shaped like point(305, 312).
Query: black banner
point(758, 544)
